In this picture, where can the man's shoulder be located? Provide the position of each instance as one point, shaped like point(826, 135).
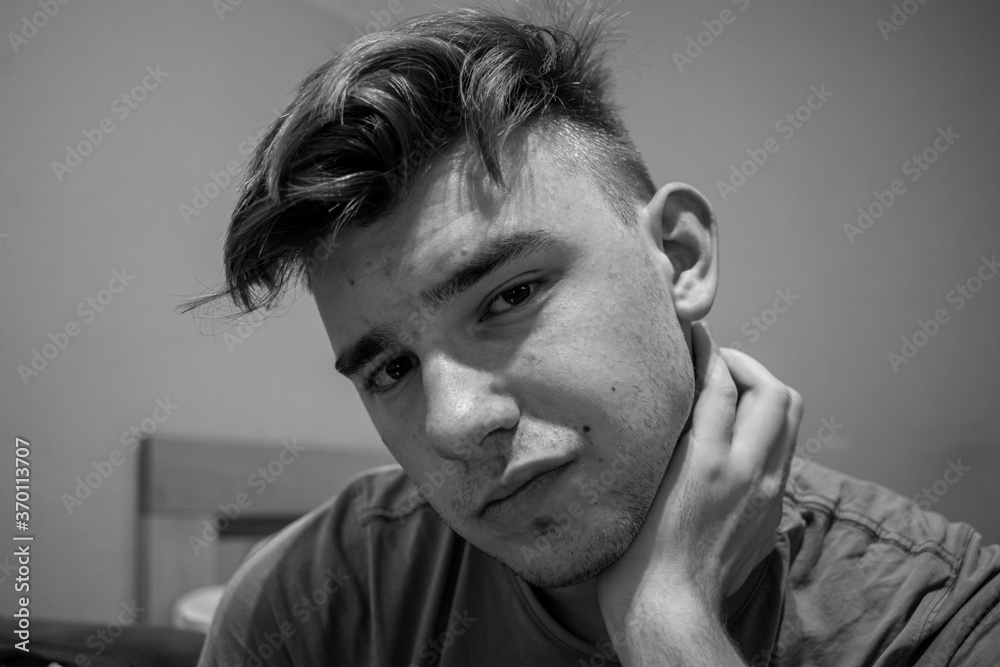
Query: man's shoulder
point(875, 574)
point(869, 517)
point(837, 498)
point(291, 582)
point(812, 481)
point(376, 501)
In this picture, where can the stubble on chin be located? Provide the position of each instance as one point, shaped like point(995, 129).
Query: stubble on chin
point(575, 558)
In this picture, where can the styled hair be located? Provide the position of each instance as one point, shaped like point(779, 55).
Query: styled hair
point(364, 125)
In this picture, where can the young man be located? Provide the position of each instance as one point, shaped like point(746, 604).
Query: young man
point(585, 478)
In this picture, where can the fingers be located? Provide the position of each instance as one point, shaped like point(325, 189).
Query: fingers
point(748, 373)
point(795, 412)
point(740, 402)
point(768, 417)
point(750, 376)
point(716, 398)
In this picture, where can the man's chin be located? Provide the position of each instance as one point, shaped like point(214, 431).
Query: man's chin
point(554, 577)
point(566, 563)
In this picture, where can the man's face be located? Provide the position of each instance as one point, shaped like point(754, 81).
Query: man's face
point(519, 337)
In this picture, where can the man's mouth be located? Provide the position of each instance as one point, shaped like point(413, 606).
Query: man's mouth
point(521, 485)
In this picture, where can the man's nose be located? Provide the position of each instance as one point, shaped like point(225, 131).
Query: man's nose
point(464, 405)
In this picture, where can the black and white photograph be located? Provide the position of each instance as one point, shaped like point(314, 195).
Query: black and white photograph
point(474, 333)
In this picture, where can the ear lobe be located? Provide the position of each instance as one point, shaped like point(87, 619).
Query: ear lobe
point(683, 224)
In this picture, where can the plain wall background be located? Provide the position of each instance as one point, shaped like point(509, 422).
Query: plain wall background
point(60, 241)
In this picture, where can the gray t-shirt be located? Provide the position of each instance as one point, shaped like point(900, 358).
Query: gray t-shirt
point(860, 576)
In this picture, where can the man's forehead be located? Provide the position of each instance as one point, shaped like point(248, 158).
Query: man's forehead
point(415, 244)
point(450, 211)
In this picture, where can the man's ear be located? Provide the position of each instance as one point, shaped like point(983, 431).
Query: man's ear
point(680, 223)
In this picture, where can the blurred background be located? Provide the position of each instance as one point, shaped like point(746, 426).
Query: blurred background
point(849, 150)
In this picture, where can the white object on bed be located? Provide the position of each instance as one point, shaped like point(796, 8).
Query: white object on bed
point(194, 609)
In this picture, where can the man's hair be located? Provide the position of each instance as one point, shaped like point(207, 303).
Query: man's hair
point(364, 125)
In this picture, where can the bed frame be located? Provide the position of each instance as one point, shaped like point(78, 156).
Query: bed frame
point(184, 481)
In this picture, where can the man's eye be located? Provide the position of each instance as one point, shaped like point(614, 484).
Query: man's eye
point(511, 297)
point(389, 373)
point(385, 376)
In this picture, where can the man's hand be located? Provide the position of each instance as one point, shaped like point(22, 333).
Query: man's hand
point(712, 521)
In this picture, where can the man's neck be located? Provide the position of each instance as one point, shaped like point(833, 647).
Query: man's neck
point(576, 608)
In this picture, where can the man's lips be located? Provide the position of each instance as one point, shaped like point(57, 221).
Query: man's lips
point(516, 479)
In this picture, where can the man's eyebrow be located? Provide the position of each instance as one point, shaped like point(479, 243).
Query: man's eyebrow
point(362, 350)
point(489, 258)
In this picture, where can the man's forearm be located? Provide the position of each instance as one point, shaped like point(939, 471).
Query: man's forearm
point(672, 630)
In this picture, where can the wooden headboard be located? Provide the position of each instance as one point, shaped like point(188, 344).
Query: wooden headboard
point(189, 487)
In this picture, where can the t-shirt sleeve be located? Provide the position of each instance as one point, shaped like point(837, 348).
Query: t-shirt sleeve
point(971, 635)
point(982, 647)
point(298, 598)
point(974, 634)
point(242, 616)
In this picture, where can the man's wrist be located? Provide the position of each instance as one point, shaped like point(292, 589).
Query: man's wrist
point(661, 594)
point(668, 609)
point(668, 606)
point(674, 624)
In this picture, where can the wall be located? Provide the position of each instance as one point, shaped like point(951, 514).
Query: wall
point(895, 79)
point(225, 67)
